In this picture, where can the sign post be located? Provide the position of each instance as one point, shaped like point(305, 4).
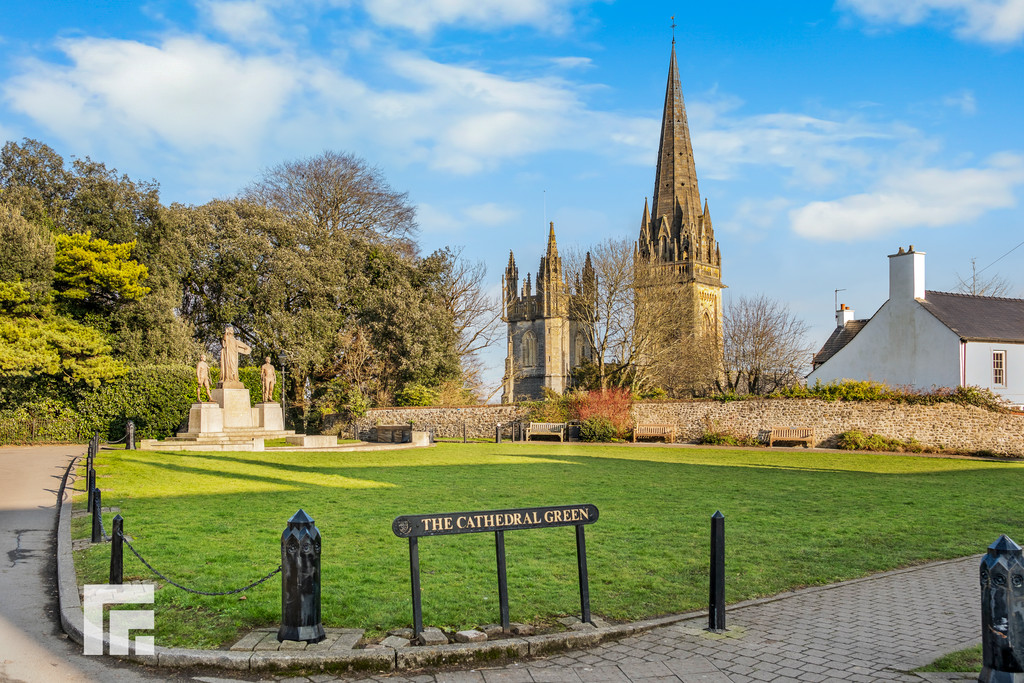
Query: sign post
point(499, 521)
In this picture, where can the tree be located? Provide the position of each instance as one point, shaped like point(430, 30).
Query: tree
point(339, 193)
point(476, 315)
point(26, 263)
point(95, 273)
point(765, 346)
point(978, 285)
point(639, 329)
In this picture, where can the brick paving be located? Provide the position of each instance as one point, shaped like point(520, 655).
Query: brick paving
point(873, 629)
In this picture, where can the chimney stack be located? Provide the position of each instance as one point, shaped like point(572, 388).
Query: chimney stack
point(906, 275)
point(843, 315)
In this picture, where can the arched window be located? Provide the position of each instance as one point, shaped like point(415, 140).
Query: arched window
point(529, 349)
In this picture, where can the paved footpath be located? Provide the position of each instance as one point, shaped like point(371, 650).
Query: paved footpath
point(873, 629)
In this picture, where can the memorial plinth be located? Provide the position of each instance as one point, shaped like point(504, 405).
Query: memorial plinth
point(228, 423)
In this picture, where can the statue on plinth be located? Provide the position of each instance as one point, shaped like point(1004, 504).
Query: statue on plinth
point(269, 377)
point(230, 348)
point(203, 379)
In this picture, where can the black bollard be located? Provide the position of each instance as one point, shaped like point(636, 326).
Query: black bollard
point(497, 433)
point(97, 517)
point(129, 441)
point(716, 599)
point(1002, 613)
point(300, 581)
point(117, 552)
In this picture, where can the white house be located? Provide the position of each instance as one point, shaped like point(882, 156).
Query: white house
point(928, 339)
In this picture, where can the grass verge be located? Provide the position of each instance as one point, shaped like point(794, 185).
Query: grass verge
point(963, 660)
point(214, 521)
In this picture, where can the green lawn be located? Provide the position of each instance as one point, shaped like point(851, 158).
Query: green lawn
point(796, 518)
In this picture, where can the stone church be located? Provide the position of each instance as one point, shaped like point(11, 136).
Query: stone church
point(678, 275)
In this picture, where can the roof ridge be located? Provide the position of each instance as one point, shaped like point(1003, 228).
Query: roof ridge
point(972, 296)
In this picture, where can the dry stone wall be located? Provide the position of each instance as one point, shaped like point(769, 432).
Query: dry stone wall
point(943, 425)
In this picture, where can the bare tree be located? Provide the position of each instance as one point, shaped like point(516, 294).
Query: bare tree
point(340, 194)
point(476, 314)
point(642, 331)
point(765, 346)
point(978, 285)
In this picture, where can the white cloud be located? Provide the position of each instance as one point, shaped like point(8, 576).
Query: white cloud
point(925, 197)
point(988, 21)
point(433, 220)
point(816, 151)
point(572, 62)
point(244, 21)
point(963, 100)
point(187, 92)
point(491, 214)
point(424, 16)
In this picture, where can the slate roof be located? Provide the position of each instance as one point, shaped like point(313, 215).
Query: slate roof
point(840, 337)
point(978, 318)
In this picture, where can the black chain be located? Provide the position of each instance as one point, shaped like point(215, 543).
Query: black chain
point(192, 590)
point(117, 440)
point(103, 529)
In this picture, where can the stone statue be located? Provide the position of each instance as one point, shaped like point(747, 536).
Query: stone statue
point(202, 379)
point(230, 348)
point(269, 377)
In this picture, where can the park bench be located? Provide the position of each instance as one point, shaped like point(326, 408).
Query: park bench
point(791, 434)
point(666, 431)
point(546, 429)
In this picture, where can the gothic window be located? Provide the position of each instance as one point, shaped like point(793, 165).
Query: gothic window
point(529, 349)
point(581, 348)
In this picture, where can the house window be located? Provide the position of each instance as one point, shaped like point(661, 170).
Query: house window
point(999, 368)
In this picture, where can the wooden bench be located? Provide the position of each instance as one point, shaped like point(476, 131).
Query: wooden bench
point(546, 429)
point(644, 431)
point(791, 434)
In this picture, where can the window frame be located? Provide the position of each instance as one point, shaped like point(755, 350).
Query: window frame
point(999, 368)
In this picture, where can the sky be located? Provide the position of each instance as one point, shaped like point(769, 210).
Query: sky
point(826, 134)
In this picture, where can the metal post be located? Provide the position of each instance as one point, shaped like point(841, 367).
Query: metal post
point(90, 485)
point(499, 550)
point(581, 564)
point(97, 517)
point(716, 593)
point(300, 581)
point(129, 441)
point(463, 430)
point(497, 433)
point(117, 552)
point(414, 578)
point(1002, 599)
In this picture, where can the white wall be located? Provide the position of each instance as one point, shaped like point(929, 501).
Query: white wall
point(902, 344)
point(979, 368)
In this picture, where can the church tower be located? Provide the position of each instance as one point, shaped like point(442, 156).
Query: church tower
point(678, 259)
point(545, 337)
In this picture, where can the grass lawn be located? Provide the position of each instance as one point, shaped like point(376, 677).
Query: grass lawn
point(214, 521)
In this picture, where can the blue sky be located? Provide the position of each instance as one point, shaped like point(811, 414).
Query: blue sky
point(826, 135)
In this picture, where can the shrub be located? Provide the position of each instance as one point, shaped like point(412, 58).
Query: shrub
point(610, 404)
point(855, 440)
point(854, 390)
point(598, 428)
point(415, 395)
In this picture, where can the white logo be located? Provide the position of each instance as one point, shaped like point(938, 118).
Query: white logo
point(121, 620)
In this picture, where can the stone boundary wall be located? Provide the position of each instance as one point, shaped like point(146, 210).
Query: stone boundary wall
point(446, 422)
point(945, 425)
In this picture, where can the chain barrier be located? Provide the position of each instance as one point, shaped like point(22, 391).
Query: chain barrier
point(116, 440)
point(192, 590)
point(103, 529)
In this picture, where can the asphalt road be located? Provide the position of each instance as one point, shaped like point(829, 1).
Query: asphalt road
point(32, 645)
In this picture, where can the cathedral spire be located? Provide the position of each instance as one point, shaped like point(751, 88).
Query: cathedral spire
point(676, 177)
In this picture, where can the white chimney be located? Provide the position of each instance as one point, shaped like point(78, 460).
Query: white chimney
point(843, 315)
point(906, 274)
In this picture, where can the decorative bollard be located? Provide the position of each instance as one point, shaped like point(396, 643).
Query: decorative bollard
point(716, 597)
point(1002, 613)
point(300, 581)
point(129, 441)
point(97, 517)
point(117, 552)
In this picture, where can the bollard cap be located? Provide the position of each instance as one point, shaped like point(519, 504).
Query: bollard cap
point(300, 517)
point(718, 515)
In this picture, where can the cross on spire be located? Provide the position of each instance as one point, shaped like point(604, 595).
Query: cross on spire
point(673, 29)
